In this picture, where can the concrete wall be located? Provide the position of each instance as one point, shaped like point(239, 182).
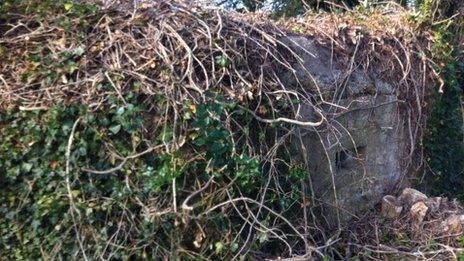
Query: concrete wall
point(355, 158)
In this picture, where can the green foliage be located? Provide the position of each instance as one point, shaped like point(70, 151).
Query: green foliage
point(444, 144)
point(128, 213)
point(74, 8)
point(35, 200)
point(244, 5)
point(461, 244)
point(123, 206)
point(290, 8)
point(32, 160)
point(34, 196)
point(222, 61)
point(212, 137)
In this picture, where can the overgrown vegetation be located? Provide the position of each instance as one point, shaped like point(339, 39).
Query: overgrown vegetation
point(142, 139)
point(444, 143)
point(291, 8)
point(120, 206)
point(132, 172)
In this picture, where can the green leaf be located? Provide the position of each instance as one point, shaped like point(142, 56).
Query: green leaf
point(262, 237)
point(222, 61)
point(234, 247)
point(218, 247)
point(26, 166)
point(68, 6)
point(115, 129)
point(79, 51)
point(35, 224)
point(231, 105)
point(166, 135)
point(120, 111)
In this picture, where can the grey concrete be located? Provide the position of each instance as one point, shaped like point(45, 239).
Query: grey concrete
point(355, 159)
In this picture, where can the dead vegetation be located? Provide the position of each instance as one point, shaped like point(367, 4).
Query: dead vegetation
point(182, 51)
point(422, 228)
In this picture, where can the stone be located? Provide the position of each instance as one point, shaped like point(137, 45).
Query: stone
point(453, 225)
point(410, 196)
point(390, 207)
point(418, 212)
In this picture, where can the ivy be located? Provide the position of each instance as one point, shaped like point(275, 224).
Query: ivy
point(35, 200)
point(444, 144)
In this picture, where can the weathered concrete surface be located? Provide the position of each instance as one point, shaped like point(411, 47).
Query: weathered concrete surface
point(355, 159)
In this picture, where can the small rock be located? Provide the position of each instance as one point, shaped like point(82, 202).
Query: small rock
point(418, 211)
point(453, 225)
point(410, 196)
point(390, 207)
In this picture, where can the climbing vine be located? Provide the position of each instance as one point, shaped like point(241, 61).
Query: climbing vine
point(141, 152)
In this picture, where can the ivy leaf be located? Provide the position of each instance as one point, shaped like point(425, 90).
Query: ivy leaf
point(115, 129)
point(263, 237)
point(222, 61)
point(35, 224)
point(231, 105)
point(26, 167)
point(68, 6)
point(120, 111)
point(234, 247)
point(79, 51)
point(218, 247)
